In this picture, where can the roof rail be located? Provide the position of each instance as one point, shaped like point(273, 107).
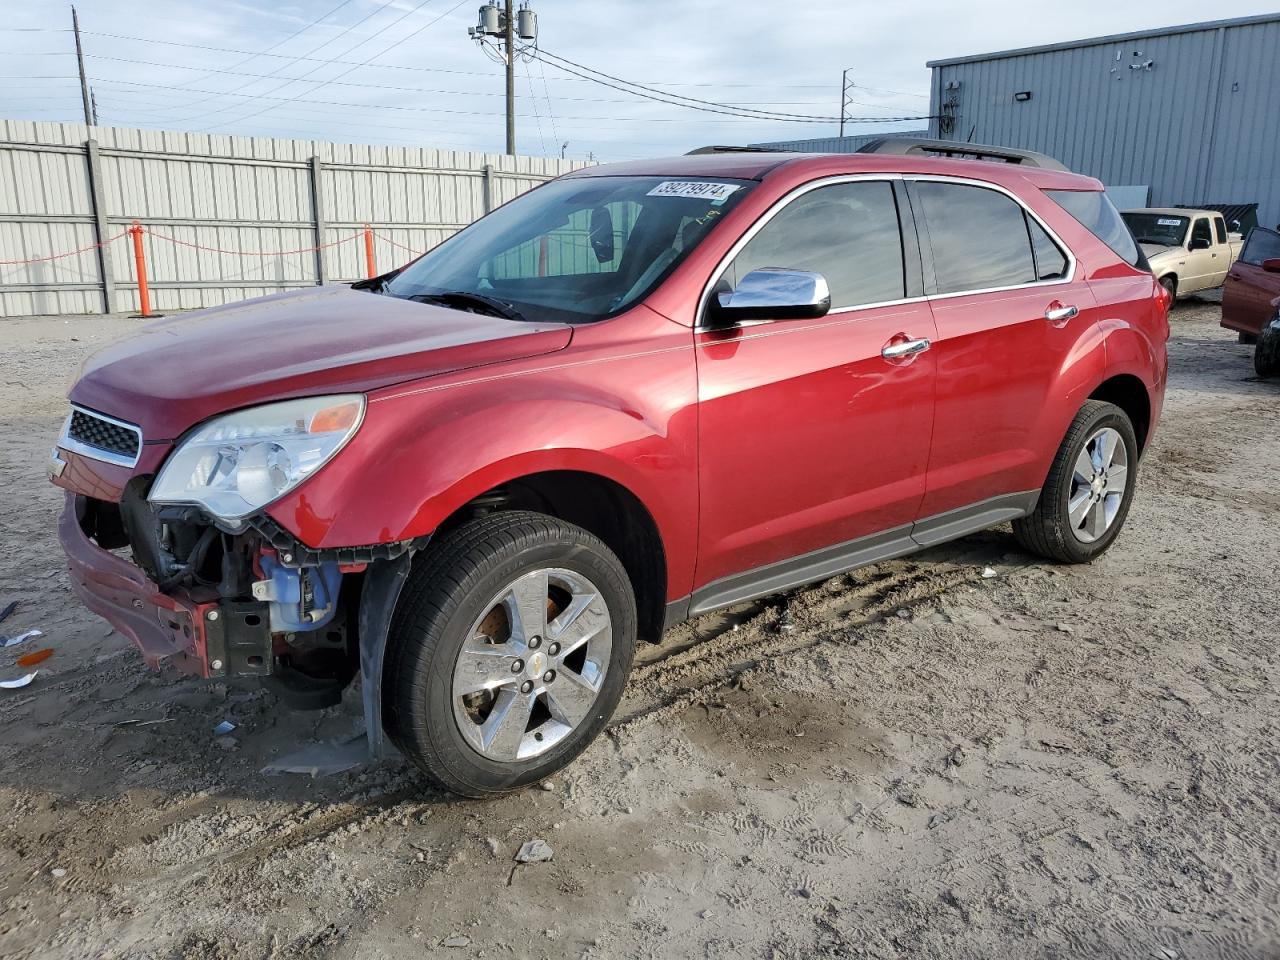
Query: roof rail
point(718, 148)
point(962, 151)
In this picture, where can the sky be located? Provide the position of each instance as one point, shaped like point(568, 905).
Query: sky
point(404, 72)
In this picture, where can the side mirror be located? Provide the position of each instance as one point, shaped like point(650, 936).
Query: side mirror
point(773, 293)
point(1271, 265)
point(1199, 243)
point(600, 232)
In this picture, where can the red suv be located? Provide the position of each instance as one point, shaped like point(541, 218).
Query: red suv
point(635, 394)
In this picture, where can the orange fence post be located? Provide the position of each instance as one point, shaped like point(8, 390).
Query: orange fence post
point(368, 250)
point(140, 263)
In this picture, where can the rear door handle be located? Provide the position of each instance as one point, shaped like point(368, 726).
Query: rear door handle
point(1059, 314)
point(903, 348)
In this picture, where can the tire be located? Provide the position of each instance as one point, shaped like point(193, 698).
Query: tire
point(1053, 529)
point(1266, 354)
point(1170, 283)
point(460, 624)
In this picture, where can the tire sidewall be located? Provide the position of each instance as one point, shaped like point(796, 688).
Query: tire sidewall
point(434, 719)
point(1266, 350)
point(1116, 419)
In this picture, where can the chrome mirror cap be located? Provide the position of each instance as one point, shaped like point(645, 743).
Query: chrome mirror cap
point(773, 293)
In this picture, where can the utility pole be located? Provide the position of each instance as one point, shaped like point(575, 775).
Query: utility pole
point(497, 33)
point(84, 83)
point(846, 87)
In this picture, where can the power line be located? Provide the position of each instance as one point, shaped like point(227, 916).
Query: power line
point(706, 106)
point(387, 49)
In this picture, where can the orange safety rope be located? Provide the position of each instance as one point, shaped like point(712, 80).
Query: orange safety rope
point(69, 253)
point(254, 253)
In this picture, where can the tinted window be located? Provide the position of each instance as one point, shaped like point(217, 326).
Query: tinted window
point(1051, 263)
point(848, 232)
point(978, 237)
point(1099, 215)
point(1200, 231)
point(1262, 245)
point(1220, 227)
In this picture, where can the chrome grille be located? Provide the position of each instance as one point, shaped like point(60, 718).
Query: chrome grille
point(102, 437)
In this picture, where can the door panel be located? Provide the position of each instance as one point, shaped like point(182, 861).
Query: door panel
point(809, 437)
point(1200, 263)
point(1000, 349)
point(998, 360)
point(1247, 296)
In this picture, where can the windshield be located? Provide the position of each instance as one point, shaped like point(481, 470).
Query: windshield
point(577, 249)
point(1157, 228)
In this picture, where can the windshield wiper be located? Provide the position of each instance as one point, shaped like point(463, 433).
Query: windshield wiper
point(465, 298)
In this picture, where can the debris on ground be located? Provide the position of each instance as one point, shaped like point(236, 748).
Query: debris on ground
point(19, 682)
point(323, 759)
point(225, 727)
point(988, 573)
point(140, 722)
point(534, 851)
point(35, 657)
point(20, 638)
point(456, 941)
point(9, 607)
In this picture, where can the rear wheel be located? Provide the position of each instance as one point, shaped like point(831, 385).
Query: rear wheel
point(1086, 497)
point(1266, 355)
point(509, 652)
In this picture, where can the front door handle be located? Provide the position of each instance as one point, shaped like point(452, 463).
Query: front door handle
point(1061, 313)
point(903, 348)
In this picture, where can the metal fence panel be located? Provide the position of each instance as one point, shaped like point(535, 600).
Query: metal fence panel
point(226, 217)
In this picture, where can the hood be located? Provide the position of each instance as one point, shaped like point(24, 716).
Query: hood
point(1154, 251)
point(179, 371)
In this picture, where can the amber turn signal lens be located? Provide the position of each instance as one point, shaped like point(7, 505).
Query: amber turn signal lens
point(31, 659)
point(335, 419)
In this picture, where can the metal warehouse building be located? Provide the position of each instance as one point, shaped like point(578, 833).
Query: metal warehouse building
point(1193, 112)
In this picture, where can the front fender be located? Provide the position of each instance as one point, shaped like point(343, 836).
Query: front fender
point(425, 450)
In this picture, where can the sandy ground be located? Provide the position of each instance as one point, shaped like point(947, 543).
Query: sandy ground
point(907, 761)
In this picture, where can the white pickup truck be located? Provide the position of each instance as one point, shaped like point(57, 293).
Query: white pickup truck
point(1189, 250)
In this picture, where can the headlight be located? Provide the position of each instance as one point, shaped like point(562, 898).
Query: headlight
point(234, 465)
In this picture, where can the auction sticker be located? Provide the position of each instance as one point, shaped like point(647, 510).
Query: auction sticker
point(694, 190)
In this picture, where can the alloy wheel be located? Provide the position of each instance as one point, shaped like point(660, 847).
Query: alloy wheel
point(532, 665)
point(1098, 484)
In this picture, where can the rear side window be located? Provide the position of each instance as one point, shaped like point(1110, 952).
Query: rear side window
point(1099, 215)
point(1220, 226)
point(978, 237)
point(848, 232)
point(1263, 244)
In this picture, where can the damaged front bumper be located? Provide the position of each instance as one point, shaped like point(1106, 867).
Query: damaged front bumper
point(199, 634)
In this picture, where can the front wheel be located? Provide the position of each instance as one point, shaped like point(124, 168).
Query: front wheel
point(1090, 486)
point(1266, 353)
point(508, 653)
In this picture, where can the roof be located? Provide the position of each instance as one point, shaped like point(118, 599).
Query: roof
point(756, 166)
point(1110, 38)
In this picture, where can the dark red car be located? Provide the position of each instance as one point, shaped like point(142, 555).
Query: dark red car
point(1251, 299)
point(635, 394)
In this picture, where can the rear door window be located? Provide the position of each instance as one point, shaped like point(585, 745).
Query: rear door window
point(978, 237)
point(848, 232)
point(1263, 244)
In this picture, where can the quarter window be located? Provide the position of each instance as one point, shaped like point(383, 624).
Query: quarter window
point(848, 232)
point(1220, 227)
point(978, 237)
point(1051, 262)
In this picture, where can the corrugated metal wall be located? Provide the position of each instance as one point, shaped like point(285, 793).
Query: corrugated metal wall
point(1200, 125)
point(837, 144)
point(193, 191)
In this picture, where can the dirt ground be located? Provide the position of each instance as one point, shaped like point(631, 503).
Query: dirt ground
point(911, 760)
